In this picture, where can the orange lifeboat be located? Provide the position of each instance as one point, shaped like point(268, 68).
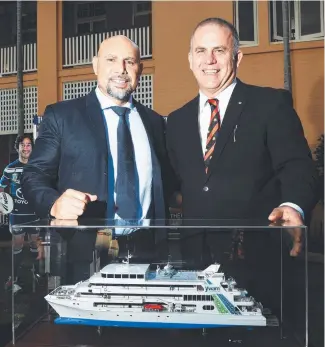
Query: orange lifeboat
point(153, 307)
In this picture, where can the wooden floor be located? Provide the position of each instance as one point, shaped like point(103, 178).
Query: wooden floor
point(47, 334)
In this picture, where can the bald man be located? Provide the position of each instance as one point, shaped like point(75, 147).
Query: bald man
point(102, 155)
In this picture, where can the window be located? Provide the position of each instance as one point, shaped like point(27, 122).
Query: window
point(90, 17)
point(246, 22)
point(90, 9)
point(141, 13)
point(306, 20)
point(29, 21)
point(208, 307)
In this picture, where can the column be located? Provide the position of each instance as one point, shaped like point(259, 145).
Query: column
point(49, 49)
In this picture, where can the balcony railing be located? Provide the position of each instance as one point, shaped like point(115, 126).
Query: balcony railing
point(80, 50)
point(8, 59)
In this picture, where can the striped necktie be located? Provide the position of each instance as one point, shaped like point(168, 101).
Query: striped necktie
point(212, 132)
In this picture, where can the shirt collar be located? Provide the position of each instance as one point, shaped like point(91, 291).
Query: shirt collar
point(106, 102)
point(223, 96)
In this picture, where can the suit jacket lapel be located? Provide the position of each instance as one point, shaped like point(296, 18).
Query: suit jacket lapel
point(233, 112)
point(96, 121)
point(192, 129)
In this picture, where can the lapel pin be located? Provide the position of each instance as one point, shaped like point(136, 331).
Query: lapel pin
point(239, 102)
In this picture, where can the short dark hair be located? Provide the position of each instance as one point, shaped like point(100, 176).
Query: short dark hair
point(223, 23)
point(20, 139)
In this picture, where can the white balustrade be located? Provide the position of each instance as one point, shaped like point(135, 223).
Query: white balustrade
point(8, 59)
point(80, 50)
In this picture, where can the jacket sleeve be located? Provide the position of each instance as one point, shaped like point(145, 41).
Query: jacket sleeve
point(290, 155)
point(170, 174)
point(40, 173)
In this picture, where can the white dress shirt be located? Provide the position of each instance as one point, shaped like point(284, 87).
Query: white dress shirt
point(141, 146)
point(204, 122)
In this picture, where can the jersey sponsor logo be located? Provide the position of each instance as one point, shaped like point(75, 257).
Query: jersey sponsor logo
point(17, 201)
point(19, 194)
point(20, 198)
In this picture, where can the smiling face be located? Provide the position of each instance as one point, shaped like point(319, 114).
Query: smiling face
point(118, 68)
point(212, 58)
point(25, 149)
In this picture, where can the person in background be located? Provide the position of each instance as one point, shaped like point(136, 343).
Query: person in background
point(22, 212)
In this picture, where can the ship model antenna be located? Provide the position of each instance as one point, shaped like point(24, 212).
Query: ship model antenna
point(127, 258)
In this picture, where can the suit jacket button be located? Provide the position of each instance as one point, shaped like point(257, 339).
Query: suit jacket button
point(205, 188)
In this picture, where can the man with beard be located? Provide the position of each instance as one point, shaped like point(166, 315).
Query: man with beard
point(101, 155)
point(23, 212)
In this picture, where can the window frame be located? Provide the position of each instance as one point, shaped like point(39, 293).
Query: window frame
point(310, 36)
point(255, 16)
point(297, 27)
point(275, 37)
point(136, 13)
point(90, 20)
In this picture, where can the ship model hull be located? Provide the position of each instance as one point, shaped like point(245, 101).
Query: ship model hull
point(117, 317)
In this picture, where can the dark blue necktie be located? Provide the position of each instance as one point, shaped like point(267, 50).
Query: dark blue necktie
point(125, 186)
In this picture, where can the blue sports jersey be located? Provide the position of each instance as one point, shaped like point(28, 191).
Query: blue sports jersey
point(11, 178)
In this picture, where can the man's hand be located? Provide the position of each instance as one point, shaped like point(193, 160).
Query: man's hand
point(71, 204)
point(179, 199)
point(286, 214)
point(40, 249)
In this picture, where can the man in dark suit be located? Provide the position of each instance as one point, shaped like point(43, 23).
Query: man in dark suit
point(240, 153)
point(239, 150)
point(102, 155)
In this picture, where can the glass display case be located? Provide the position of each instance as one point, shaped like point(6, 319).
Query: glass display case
point(164, 282)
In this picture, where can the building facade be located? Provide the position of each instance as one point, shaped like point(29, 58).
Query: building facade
point(60, 39)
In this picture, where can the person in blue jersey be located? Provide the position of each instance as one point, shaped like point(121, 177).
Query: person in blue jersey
point(22, 212)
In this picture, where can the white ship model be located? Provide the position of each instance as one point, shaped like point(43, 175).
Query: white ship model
point(134, 295)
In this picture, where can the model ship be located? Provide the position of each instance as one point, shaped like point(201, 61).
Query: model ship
point(137, 295)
